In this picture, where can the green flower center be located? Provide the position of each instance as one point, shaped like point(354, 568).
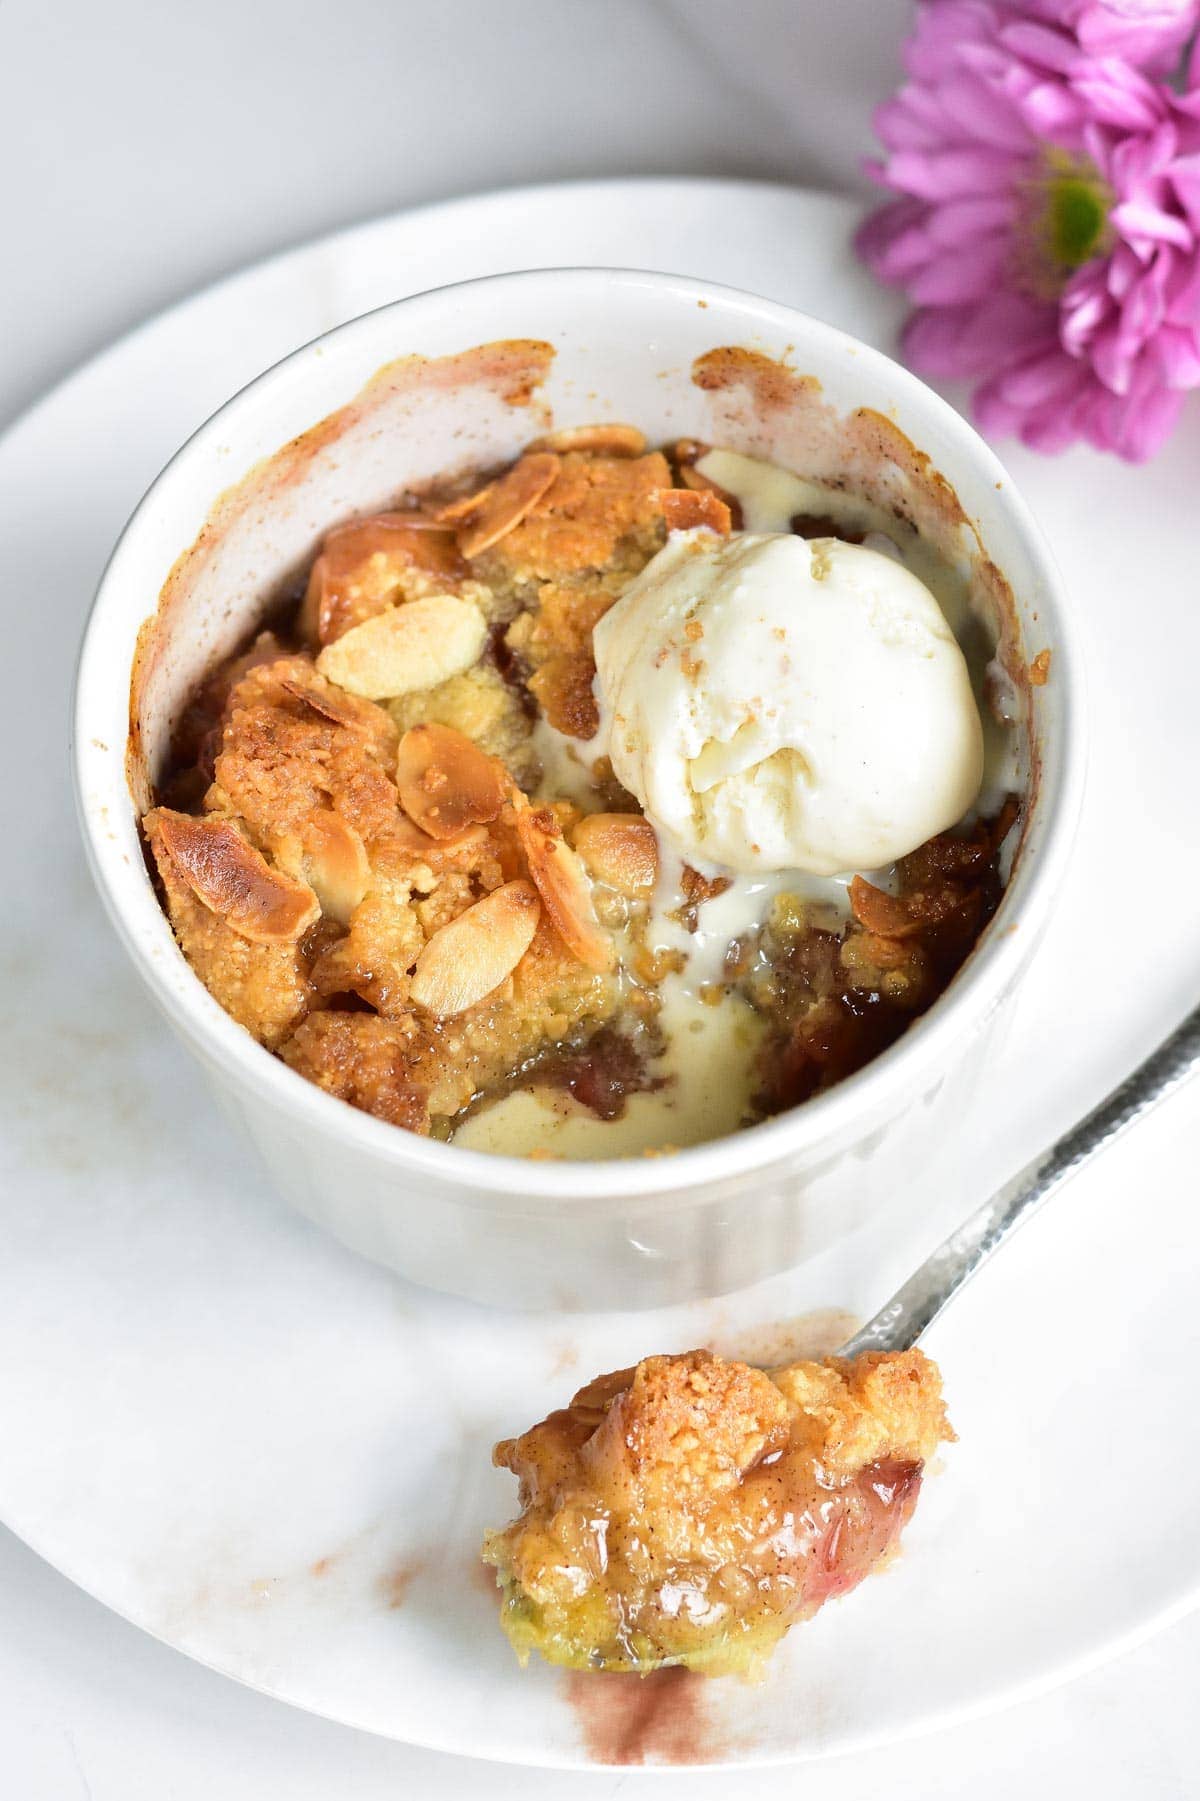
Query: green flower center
point(1066, 203)
point(1077, 218)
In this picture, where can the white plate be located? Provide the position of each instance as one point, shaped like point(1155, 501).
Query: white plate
point(276, 1457)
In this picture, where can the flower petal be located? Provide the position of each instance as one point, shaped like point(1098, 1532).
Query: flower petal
point(964, 221)
point(1085, 305)
point(1053, 112)
point(1138, 220)
point(1140, 425)
point(970, 276)
point(1119, 95)
point(1038, 44)
point(1149, 36)
point(1177, 352)
point(894, 240)
point(957, 343)
point(1185, 180)
point(982, 114)
point(949, 174)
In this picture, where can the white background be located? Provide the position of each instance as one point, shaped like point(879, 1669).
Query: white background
point(146, 149)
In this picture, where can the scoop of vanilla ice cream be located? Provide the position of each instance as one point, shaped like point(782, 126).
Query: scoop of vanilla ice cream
point(776, 703)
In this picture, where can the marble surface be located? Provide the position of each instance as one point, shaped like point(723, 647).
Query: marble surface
point(177, 146)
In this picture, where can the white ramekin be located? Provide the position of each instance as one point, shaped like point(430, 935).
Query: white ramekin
point(547, 1234)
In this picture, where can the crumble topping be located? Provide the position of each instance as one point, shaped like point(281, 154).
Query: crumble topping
point(391, 851)
point(692, 1509)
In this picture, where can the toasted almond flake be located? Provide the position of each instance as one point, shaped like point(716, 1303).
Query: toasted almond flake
point(363, 563)
point(329, 705)
point(489, 515)
point(330, 856)
point(404, 835)
point(880, 912)
point(563, 885)
point(450, 512)
point(446, 782)
point(621, 850)
point(700, 484)
point(413, 646)
point(684, 509)
point(470, 956)
point(229, 876)
point(600, 440)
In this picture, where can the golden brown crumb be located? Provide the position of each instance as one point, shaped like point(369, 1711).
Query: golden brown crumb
point(281, 759)
point(485, 708)
point(593, 503)
point(855, 1411)
point(686, 509)
point(364, 1060)
point(265, 987)
point(563, 689)
point(367, 565)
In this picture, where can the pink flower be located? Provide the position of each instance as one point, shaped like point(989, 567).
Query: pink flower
point(1049, 221)
point(1150, 34)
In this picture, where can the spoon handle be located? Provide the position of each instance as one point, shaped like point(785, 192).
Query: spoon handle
point(902, 1320)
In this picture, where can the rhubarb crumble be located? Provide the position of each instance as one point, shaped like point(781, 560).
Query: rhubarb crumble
point(689, 1511)
point(395, 846)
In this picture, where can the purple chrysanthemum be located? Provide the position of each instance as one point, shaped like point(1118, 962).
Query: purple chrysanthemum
point(1049, 225)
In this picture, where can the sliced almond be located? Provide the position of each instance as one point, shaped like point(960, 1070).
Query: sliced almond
point(880, 912)
point(329, 705)
point(600, 440)
point(701, 484)
point(413, 646)
point(449, 513)
point(684, 509)
point(330, 856)
point(446, 782)
point(226, 872)
point(621, 850)
point(489, 515)
point(563, 885)
point(407, 836)
point(471, 955)
point(362, 564)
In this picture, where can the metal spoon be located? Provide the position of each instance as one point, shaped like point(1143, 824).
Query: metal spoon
point(901, 1321)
